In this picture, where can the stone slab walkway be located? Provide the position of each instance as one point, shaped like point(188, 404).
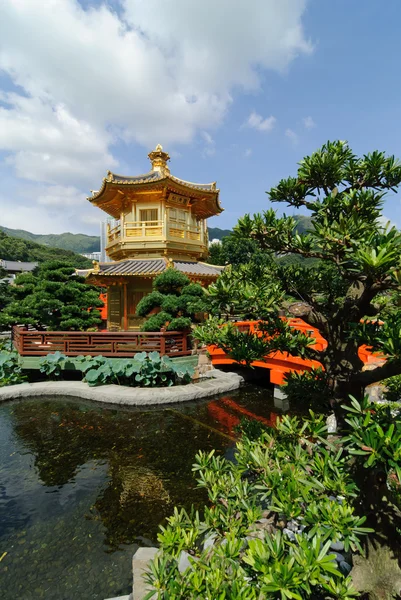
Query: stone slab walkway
point(218, 382)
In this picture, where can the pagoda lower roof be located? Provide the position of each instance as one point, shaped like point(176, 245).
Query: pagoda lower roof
point(145, 267)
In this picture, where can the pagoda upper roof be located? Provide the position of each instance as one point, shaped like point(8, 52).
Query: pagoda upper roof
point(158, 176)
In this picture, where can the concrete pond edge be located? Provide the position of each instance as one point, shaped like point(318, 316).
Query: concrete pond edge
point(217, 382)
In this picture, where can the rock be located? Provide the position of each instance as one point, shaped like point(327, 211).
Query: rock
point(331, 423)
point(345, 568)
point(184, 562)
point(290, 534)
point(339, 557)
point(293, 526)
point(337, 546)
point(378, 574)
point(210, 540)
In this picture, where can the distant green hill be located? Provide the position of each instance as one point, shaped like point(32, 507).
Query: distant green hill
point(80, 242)
point(215, 233)
point(13, 248)
point(75, 242)
point(303, 223)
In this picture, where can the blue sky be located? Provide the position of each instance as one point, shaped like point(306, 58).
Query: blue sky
point(237, 94)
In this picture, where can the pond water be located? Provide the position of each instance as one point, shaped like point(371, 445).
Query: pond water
point(82, 486)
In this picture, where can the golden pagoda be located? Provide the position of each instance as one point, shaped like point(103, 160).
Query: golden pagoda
point(157, 221)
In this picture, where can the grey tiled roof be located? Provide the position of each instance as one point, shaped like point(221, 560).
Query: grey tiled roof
point(197, 268)
point(15, 266)
point(134, 267)
point(153, 266)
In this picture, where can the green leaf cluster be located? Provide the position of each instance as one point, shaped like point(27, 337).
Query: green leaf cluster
point(144, 370)
point(10, 368)
point(283, 520)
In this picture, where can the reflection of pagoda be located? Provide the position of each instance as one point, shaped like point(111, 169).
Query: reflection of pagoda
point(157, 221)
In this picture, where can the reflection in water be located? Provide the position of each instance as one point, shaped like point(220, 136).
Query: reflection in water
point(81, 486)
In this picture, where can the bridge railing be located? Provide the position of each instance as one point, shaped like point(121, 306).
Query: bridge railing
point(28, 342)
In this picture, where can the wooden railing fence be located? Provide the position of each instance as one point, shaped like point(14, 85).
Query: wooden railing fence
point(29, 342)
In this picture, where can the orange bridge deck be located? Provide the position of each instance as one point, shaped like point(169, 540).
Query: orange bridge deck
point(281, 363)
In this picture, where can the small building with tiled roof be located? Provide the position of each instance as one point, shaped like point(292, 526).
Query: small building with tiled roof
point(157, 221)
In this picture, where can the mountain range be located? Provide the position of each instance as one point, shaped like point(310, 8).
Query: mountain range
point(80, 242)
point(18, 244)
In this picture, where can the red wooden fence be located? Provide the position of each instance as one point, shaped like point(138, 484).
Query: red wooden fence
point(29, 342)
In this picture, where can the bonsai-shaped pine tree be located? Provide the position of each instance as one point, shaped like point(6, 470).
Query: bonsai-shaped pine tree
point(52, 296)
point(359, 262)
point(176, 299)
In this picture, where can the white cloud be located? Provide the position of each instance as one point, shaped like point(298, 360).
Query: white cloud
point(156, 72)
point(256, 121)
point(309, 123)
point(248, 152)
point(292, 136)
point(210, 147)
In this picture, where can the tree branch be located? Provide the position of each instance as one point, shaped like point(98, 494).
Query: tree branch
point(388, 369)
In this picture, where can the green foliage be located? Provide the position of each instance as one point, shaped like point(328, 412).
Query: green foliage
point(14, 248)
point(308, 388)
point(215, 256)
point(148, 303)
point(157, 321)
point(170, 281)
point(179, 324)
point(10, 368)
point(374, 435)
point(193, 289)
point(245, 292)
point(4, 290)
point(171, 304)
point(53, 296)
point(144, 370)
point(282, 520)
point(178, 299)
point(393, 389)
point(52, 364)
point(359, 259)
point(271, 335)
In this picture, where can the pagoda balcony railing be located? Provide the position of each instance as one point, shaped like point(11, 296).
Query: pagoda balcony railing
point(140, 230)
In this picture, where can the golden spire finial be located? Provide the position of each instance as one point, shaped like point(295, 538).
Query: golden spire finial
point(96, 267)
point(159, 160)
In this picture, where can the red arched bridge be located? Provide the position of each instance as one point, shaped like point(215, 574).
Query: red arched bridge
point(280, 363)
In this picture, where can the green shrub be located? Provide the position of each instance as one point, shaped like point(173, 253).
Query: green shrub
point(170, 281)
point(156, 322)
point(282, 520)
point(171, 304)
point(393, 391)
point(308, 389)
point(148, 303)
point(179, 324)
point(193, 289)
point(274, 526)
point(10, 368)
